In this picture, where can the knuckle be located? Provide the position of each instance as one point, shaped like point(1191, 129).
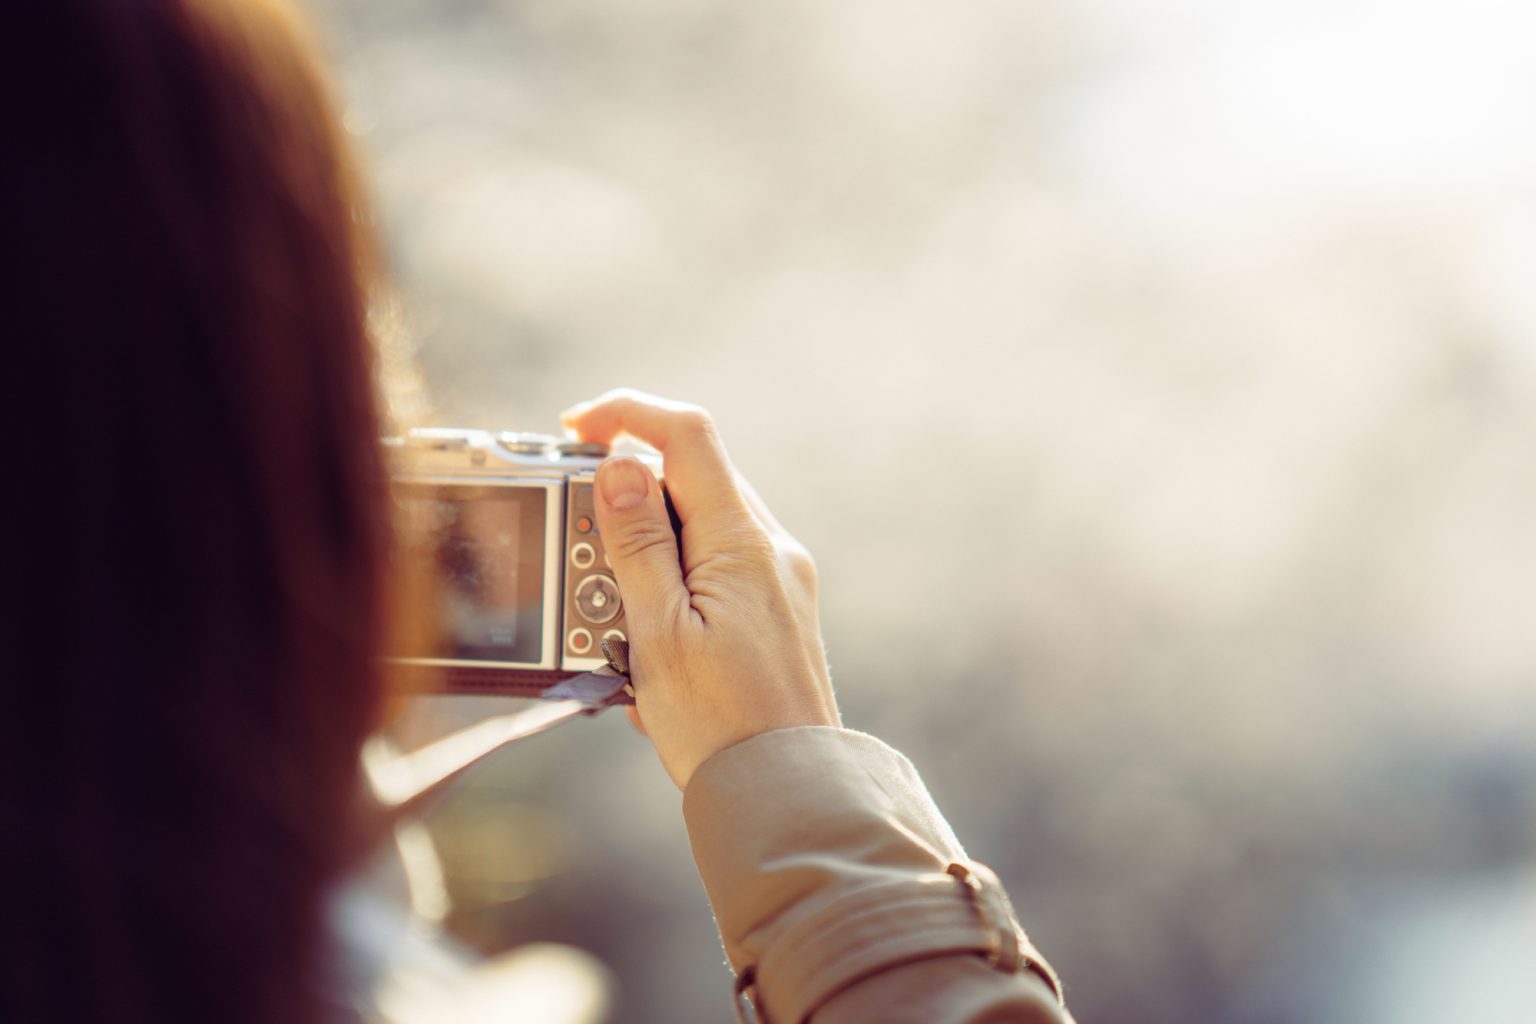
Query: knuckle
point(801, 565)
point(696, 421)
point(611, 399)
point(638, 537)
point(630, 399)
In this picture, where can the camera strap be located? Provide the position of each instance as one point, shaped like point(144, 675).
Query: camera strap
point(403, 783)
point(595, 690)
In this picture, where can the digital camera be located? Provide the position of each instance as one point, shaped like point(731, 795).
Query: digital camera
point(519, 594)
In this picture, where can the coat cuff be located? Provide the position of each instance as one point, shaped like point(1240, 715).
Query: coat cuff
point(826, 861)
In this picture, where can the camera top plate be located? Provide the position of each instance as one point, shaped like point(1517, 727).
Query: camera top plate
point(455, 450)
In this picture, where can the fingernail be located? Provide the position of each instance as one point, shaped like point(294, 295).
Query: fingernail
point(575, 412)
point(623, 483)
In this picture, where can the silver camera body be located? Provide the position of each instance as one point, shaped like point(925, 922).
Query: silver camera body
point(506, 522)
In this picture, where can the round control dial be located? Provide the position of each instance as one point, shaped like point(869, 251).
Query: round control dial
point(597, 598)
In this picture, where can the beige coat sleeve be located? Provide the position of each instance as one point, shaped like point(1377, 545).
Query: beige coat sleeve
point(842, 894)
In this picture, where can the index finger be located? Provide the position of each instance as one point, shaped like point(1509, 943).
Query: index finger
point(698, 472)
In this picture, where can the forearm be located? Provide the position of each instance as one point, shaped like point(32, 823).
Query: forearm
point(842, 894)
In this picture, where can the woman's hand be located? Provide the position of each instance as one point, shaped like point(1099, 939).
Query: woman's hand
point(724, 641)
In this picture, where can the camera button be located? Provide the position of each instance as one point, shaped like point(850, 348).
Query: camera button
point(615, 634)
point(580, 640)
point(582, 556)
point(527, 444)
point(578, 449)
point(597, 598)
point(584, 524)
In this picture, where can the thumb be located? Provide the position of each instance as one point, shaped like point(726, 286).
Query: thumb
point(638, 539)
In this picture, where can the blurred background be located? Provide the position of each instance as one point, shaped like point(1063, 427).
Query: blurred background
point(1155, 384)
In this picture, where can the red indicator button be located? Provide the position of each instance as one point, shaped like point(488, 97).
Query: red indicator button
point(584, 524)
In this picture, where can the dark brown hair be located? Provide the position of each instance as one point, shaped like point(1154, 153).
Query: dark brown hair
point(194, 536)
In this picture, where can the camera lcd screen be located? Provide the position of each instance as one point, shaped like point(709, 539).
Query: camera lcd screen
point(482, 550)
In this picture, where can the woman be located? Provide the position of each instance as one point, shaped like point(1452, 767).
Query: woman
point(198, 596)
point(195, 553)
